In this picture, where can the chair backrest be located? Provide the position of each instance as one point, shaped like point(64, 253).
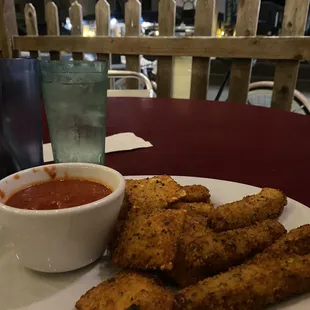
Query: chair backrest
point(122, 76)
point(287, 50)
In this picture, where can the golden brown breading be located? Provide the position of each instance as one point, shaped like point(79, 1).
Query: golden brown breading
point(202, 252)
point(149, 241)
point(183, 273)
point(250, 286)
point(219, 251)
point(153, 193)
point(123, 214)
point(120, 224)
point(146, 195)
point(268, 204)
point(196, 209)
point(127, 290)
point(297, 241)
point(196, 193)
point(212, 252)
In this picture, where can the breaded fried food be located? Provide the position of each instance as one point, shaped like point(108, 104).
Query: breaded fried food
point(196, 193)
point(219, 251)
point(125, 208)
point(120, 224)
point(195, 208)
point(153, 193)
point(127, 290)
point(268, 204)
point(183, 273)
point(251, 286)
point(203, 252)
point(146, 195)
point(149, 240)
point(297, 241)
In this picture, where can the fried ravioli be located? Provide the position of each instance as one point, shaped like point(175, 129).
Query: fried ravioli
point(127, 290)
point(250, 286)
point(196, 193)
point(150, 241)
point(153, 193)
point(120, 224)
point(268, 204)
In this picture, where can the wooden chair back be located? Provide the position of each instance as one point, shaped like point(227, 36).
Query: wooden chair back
point(287, 50)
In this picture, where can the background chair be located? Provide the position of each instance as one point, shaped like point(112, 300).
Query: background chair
point(287, 50)
point(147, 92)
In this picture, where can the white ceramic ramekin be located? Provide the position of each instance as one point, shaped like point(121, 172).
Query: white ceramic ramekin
point(65, 239)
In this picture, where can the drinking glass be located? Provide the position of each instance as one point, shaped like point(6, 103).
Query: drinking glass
point(74, 94)
point(20, 114)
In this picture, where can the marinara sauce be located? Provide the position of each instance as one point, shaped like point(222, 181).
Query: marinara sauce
point(58, 194)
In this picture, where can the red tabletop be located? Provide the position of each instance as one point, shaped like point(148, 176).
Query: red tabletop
point(252, 145)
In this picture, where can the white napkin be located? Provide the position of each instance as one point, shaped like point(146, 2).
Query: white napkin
point(125, 141)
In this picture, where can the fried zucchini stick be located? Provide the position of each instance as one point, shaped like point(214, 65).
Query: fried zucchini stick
point(268, 204)
point(204, 253)
point(297, 241)
point(250, 286)
point(219, 251)
point(127, 290)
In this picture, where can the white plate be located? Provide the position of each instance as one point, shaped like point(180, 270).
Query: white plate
point(22, 289)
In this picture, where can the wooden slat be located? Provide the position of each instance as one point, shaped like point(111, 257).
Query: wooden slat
point(297, 48)
point(52, 23)
point(247, 20)
point(31, 25)
point(215, 16)
point(8, 27)
point(204, 26)
point(76, 18)
point(103, 25)
point(166, 20)
point(132, 22)
point(294, 22)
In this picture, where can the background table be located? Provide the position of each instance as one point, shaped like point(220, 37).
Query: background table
point(241, 143)
point(252, 145)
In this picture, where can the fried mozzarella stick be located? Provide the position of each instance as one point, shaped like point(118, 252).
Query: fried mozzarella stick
point(297, 241)
point(250, 286)
point(268, 204)
point(203, 253)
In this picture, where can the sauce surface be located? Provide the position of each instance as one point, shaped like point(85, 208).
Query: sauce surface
point(58, 194)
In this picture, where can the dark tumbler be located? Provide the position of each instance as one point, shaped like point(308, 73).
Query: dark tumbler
point(20, 114)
